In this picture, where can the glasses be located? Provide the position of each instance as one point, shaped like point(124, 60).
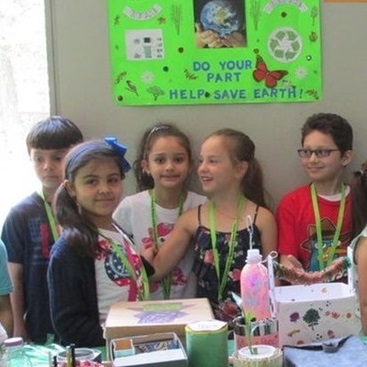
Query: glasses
point(320, 153)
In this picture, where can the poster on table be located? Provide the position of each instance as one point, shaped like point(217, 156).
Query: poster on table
point(180, 52)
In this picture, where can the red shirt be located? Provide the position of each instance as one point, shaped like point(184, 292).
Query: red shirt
point(297, 229)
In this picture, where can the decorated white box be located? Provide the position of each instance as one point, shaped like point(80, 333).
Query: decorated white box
point(317, 312)
point(308, 313)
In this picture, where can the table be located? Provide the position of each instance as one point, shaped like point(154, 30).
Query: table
point(40, 354)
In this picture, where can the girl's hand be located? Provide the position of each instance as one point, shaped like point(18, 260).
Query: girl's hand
point(291, 262)
point(148, 252)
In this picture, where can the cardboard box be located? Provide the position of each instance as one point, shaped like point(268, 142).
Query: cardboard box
point(175, 357)
point(127, 319)
point(311, 313)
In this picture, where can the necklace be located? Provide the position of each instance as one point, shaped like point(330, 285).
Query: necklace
point(143, 292)
point(50, 217)
point(320, 247)
point(223, 278)
point(167, 280)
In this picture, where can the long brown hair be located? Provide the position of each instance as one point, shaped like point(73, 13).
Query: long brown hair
point(242, 149)
point(78, 230)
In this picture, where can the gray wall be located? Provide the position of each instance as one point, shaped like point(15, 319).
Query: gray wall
point(81, 90)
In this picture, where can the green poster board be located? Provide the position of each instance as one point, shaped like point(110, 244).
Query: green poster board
point(176, 52)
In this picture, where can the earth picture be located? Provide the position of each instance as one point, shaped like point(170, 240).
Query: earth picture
point(221, 16)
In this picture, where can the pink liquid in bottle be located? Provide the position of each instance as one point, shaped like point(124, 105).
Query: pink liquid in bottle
point(255, 286)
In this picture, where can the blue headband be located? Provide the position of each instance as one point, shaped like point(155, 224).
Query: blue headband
point(120, 149)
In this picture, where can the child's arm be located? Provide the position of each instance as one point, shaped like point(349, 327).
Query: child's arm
point(17, 300)
point(361, 260)
point(290, 261)
point(6, 316)
point(176, 245)
point(268, 231)
point(73, 301)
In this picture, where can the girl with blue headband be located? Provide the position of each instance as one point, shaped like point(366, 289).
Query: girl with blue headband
point(93, 263)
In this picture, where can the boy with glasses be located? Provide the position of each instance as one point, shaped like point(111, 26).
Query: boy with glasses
point(314, 221)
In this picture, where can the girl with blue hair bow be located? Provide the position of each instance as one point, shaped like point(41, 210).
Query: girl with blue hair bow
point(93, 263)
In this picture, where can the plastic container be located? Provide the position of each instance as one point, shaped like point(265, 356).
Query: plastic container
point(14, 355)
point(81, 354)
point(255, 286)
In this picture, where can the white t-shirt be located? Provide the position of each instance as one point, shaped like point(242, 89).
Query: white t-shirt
point(353, 246)
point(134, 215)
point(114, 283)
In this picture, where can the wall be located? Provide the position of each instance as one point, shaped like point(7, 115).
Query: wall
point(82, 91)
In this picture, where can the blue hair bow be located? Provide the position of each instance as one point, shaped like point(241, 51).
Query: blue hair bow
point(120, 149)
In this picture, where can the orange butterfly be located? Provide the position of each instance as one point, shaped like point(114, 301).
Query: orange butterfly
point(263, 73)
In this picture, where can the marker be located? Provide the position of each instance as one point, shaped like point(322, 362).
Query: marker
point(68, 356)
point(72, 348)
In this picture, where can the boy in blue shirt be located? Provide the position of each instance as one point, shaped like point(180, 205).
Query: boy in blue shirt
point(29, 231)
point(6, 287)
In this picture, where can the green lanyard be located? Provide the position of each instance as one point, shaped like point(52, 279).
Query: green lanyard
point(167, 280)
point(223, 278)
point(143, 294)
point(320, 248)
point(50, 217)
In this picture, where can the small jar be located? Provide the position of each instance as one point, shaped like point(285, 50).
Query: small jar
point(14, 355)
